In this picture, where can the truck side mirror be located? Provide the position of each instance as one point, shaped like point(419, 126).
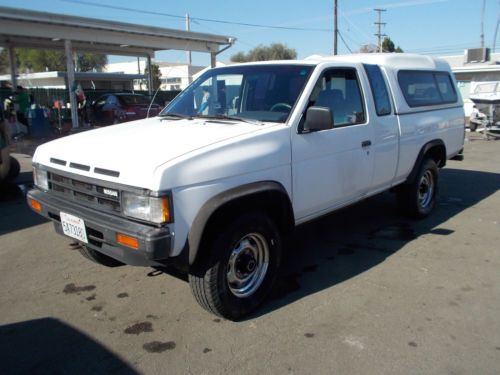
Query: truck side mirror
point(318, 118)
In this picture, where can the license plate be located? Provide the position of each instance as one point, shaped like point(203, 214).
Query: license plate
point(74, 227)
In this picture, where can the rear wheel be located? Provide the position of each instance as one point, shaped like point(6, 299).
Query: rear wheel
point(418, 198)
point(98, 257)
point(244, 259)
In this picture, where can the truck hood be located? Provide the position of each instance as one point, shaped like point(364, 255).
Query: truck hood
point(130, 153)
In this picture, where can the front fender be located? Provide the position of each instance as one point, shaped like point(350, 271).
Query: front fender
point(213, 204)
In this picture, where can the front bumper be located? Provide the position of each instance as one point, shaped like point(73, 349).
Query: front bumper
point(154, 242)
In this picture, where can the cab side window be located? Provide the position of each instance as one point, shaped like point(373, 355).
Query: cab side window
point(379, 89)
point(339, 90)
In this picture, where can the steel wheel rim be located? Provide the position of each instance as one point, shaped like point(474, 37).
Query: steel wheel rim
point(426, 189)
point(247, 265)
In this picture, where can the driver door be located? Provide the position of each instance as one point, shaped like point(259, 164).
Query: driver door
point(333, 167)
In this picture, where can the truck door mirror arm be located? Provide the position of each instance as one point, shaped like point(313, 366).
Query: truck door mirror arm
point(317, 119)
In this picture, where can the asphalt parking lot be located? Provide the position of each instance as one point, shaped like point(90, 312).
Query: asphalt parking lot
point(363, 290)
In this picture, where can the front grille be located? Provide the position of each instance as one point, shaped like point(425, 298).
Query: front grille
point(85, 193)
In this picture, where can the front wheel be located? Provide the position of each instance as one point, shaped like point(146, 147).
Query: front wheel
point(243, 263)
point(418, 198)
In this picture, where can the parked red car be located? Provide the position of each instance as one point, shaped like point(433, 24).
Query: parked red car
point(122, 107)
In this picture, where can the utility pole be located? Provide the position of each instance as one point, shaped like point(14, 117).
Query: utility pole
point(188, 53)
point(496, 32)
point(335, 27)
point(139, 71)
point(482, 24)
point(379, 25)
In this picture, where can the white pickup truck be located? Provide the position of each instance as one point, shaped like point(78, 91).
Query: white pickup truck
point(242, 156)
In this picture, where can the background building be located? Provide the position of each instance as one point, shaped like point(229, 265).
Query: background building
point(88, 80)
point(470, 72)
point(174, 76)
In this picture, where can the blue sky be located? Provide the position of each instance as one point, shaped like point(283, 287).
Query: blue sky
point(441, 27)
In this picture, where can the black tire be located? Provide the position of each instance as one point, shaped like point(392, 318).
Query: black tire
point(472, 126)
point(418, 198)
point(14, 170)
point(98, 257)
point(240, 246)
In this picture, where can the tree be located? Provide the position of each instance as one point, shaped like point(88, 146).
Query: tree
point(276, 51)
point(41, 60)
point(4, 61)
point(155, 70)
point(388, 46)
point(88, 61)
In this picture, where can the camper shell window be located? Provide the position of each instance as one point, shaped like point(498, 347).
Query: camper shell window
point(424, 88)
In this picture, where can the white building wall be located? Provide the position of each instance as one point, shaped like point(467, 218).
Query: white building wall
point(174, 76)
point(468, 76)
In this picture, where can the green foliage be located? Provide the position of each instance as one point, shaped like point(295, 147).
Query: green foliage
point(388, 46)
point(155, 70)
point(39, 60)
point(88, 61)
point(42, 60)
point(4, 61)
point(275, 51)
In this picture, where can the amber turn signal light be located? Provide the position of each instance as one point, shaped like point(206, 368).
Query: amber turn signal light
point(128, 241)
point(165, 207)
point(36, 205)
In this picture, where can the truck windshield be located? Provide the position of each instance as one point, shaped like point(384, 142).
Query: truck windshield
point(247, 92)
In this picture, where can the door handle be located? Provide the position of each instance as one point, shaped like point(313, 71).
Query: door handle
point(366, 144)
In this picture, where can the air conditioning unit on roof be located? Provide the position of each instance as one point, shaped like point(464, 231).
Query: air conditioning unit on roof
point(475, 55)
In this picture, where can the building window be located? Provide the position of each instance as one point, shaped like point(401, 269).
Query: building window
point(173, 80)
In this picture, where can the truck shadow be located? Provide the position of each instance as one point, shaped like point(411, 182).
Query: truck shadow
point(14, 211)
point(344, 244)
point(49, 346)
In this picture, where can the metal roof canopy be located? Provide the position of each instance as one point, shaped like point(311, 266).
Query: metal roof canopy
point(26, 28)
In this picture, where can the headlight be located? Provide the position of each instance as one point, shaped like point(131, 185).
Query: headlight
point(41, 179)
point(155, 210)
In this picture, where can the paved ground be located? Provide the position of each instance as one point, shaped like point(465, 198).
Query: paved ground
point(362, 291)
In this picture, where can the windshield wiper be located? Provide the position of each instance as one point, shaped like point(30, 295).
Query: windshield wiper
point(234, 118)
point(174, 115)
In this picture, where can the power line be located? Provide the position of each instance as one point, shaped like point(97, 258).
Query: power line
point(447, 46)
point(198, 20)
point(155, 13)
point(342, 38)
point(360, 31)
point(353, 41)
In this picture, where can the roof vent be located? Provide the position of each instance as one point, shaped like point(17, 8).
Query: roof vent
point(476, 55)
